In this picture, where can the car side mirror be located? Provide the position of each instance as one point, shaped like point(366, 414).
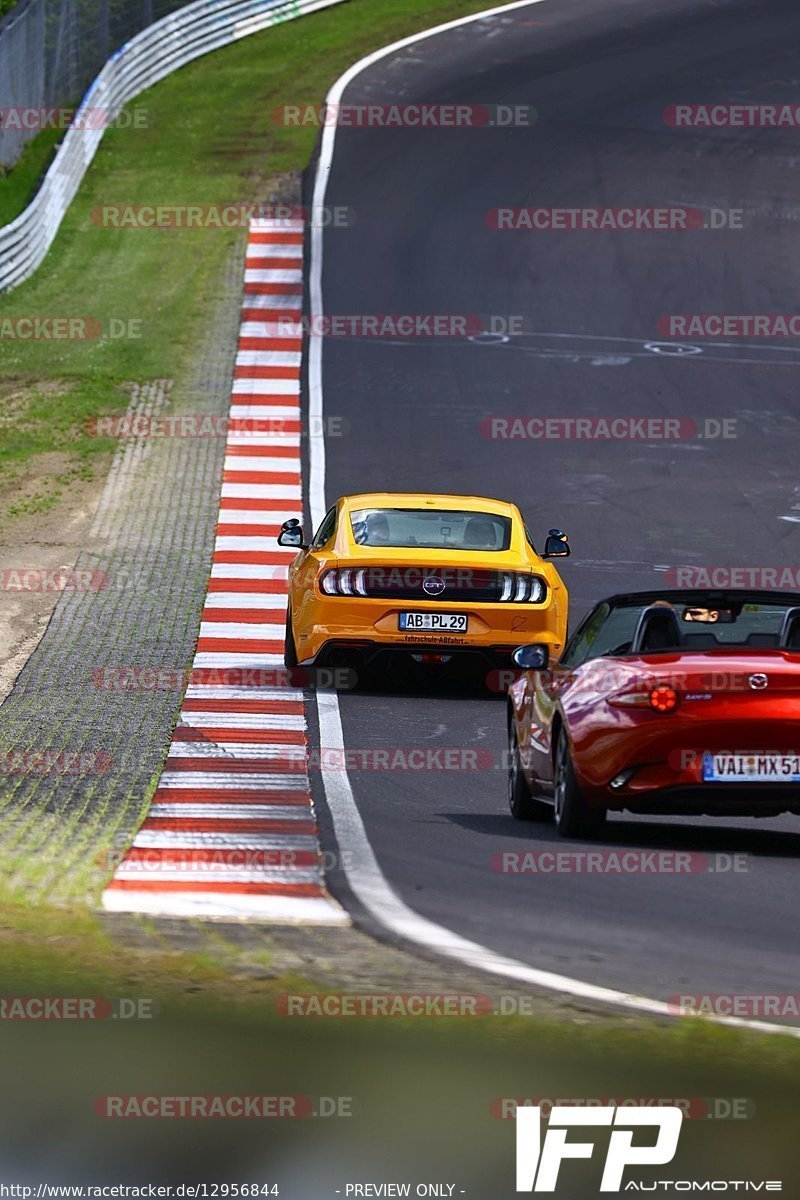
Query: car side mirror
point(531, 658)
point(291, 534)
point(557, 545)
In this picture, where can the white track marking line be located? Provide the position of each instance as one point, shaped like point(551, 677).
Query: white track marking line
point(266, 387)
point(243, 600)
point(202, 749)
point(167, 839)
point(243, 720)
point(263, 300)
point(213, 810)
point(270, 224)
point(360, 865)
point(285, 328)
point(217, 660)
point(205, 873)
point(275, 250)
point(257, 516)
point(263, 491)
point(252, 632)
point(265, 275)
point(219, 781)
point(268, 358)
point(215, 691)
point(259, 462)
point(272, 413)
point(244, 571)
point(227, 906)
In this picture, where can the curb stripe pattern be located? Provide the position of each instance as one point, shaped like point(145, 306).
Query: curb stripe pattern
point(231, 830)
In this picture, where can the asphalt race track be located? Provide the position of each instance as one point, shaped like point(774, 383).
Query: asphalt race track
point(600, 74)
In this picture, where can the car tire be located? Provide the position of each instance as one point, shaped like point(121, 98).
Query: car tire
point(289, 648)
point(524, 806)
point(574, 818)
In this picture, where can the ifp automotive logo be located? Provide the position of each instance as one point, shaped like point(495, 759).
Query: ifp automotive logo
point(538, 1162)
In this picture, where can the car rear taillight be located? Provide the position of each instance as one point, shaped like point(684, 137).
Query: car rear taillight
point(344, 582)
point(660, 699)
point(521, 589)
point(663, 699)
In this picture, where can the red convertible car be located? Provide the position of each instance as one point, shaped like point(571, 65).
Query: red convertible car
point(681, 702)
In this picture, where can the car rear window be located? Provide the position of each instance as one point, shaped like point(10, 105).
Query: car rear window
point(432, 529)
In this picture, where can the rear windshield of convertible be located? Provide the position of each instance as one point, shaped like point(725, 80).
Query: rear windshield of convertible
point(431, 529)
point(675, 625)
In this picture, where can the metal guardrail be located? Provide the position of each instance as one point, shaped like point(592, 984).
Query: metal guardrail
point(148, 57)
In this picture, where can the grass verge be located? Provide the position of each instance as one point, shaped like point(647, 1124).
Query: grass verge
point(70, 952)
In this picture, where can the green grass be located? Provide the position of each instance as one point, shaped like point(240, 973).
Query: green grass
point(211, 138)
point(68, 951)
point(215, 1031)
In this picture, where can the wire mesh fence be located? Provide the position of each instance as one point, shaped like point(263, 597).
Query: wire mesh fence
point(51, 50)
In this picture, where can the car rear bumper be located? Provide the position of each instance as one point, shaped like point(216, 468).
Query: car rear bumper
point(364, 652)
point(369, 626)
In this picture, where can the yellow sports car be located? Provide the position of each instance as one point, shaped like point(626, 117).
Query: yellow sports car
point(432, 577)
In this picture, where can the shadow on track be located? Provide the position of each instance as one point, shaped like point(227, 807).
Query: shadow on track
point(640, 835)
